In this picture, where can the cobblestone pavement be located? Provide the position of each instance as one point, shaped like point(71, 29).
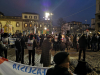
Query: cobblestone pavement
point(93, 58)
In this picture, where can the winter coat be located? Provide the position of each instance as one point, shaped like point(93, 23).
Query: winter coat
point(82, 42)
point(22, 42)
point(99, 39)
point(62, 46)
point(1, 47)
point(94, 39)
point(46, 55)
point(18, 44)
point(58, 71)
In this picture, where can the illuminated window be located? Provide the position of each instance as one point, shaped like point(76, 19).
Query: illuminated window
point(30, 25)
point(17, 24)
point(25, 25)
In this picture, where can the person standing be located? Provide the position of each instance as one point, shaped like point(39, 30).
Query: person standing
point(74, 41)
point(62, 45)
point(94, 42)
point(31, 44)
point(18, 49)
point(82, 45)
point(46, 52)
point(5, 42)
point(88, 41)
point(22, 49)
point(1, 48)
point(55, 42)
point(98, 43)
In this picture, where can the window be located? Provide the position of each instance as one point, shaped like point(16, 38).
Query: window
point(25, 16)
point(30, 25)
point(35, 17)
point(25, 25)
point(17, 24)
point(30, 17)
point(48, 25)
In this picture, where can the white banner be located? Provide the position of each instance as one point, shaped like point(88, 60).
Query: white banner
point(8, 67)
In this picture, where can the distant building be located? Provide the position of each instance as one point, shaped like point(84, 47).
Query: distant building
point(97, 17)
point(26, 24)
point(55, 30)
point(93, 23)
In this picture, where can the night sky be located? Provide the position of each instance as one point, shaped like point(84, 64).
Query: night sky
point(69, 10)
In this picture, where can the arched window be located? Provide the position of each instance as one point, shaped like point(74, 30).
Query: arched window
point(25, 25)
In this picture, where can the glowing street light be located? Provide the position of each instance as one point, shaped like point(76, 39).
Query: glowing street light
point(45, 28)
point(47, 15)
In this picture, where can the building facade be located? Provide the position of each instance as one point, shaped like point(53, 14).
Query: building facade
point(55, 30)
point(26, 24)
point(97, 17)
point(93, 23)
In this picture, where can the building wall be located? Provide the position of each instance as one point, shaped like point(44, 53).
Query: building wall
point(97, 6)
point(30, 16)
point(97, 16)
point(13, 25)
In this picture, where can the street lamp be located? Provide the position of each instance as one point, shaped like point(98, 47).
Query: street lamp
point(45, 28)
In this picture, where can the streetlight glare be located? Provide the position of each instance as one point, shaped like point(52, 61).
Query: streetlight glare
point(45, 28)
point(47, 14)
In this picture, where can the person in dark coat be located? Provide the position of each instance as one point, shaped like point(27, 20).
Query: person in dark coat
point(99, 43)
point(61, 60)
point(62, 45)
point(82, 45)
point(46, 52)
point(5, 42)
point(88, 41)
point(22, 49)
point(74, 42)
point(94, 42)
point(18, 49)
point(59, 37)
point(1, 48)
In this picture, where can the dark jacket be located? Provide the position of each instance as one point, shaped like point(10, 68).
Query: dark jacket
point(58, 71)
point(94, 39)
point(62, 46)
point(18, 44)
point(99, 39)
point(82, 42)
point(22, 42)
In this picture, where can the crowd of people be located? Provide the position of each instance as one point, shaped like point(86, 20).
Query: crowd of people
point(46, 43)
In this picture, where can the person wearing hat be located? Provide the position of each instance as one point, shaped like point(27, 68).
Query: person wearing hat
point(61, 60)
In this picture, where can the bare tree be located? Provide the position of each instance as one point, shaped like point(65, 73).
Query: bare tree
point(61, 22)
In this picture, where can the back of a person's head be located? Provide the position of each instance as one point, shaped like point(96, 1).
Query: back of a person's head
point(31, 37)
